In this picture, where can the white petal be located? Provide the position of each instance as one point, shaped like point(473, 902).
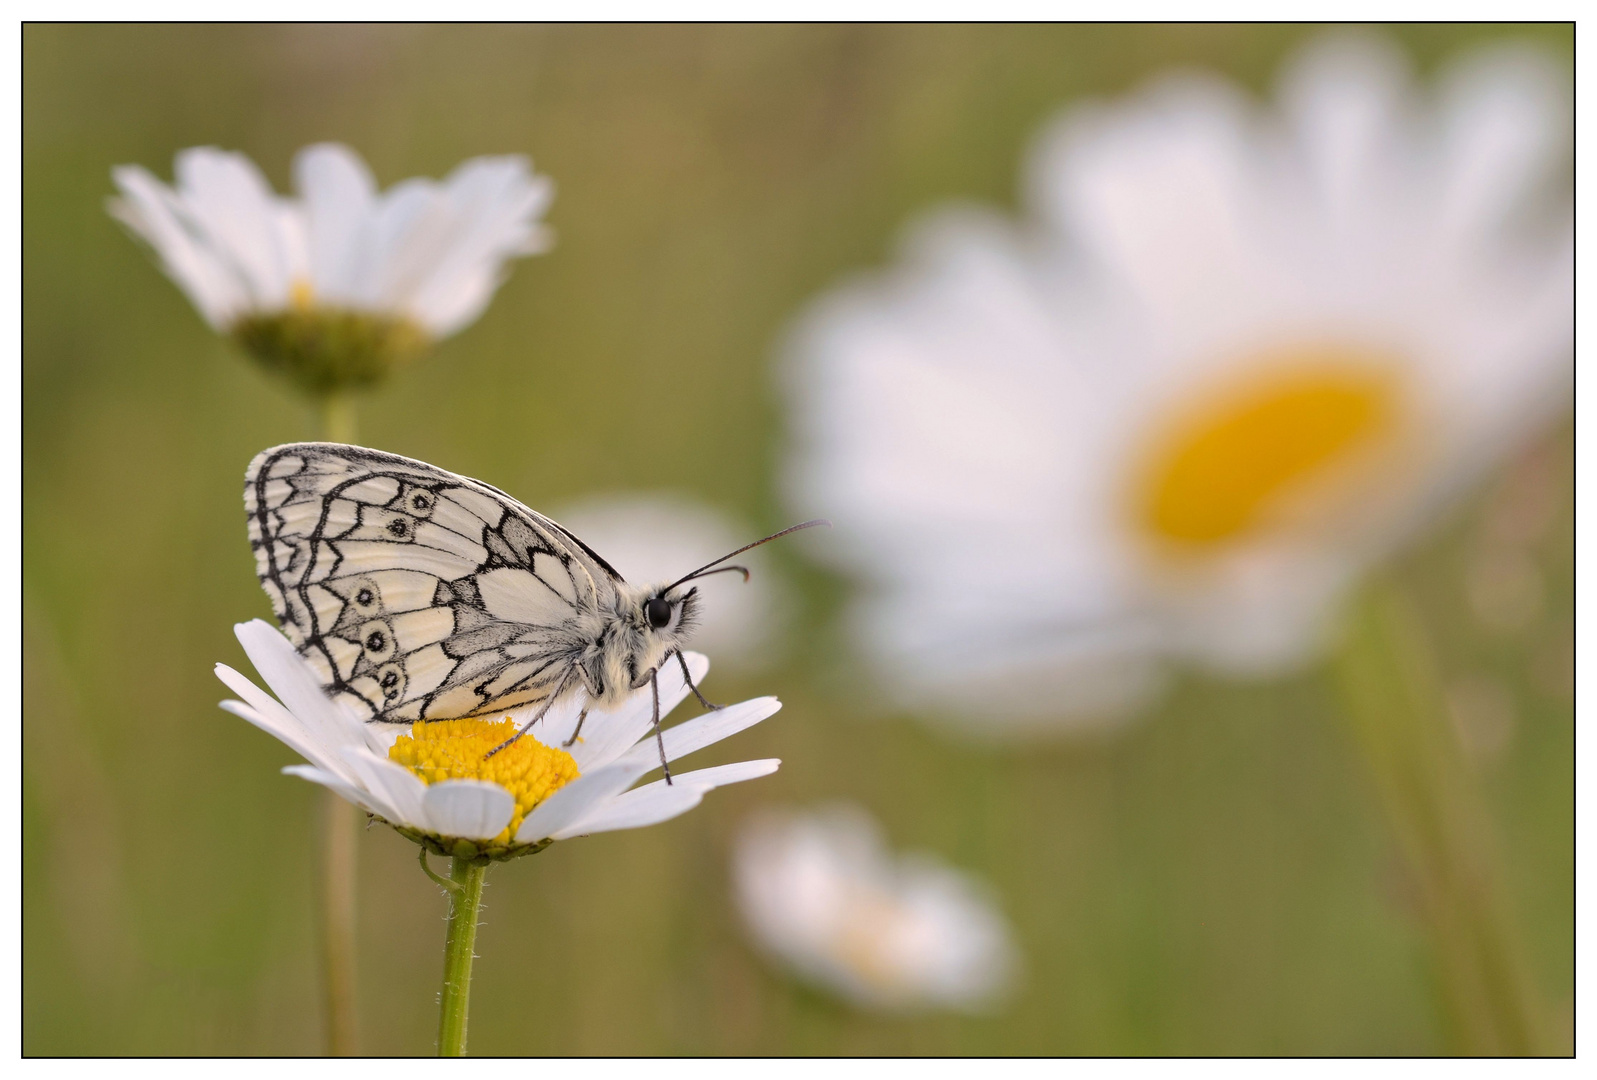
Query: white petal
point(396, 785)
point(638, 807)
point(494, 205)
point(148, 208)
point(635, 809)
point(1503, 122)
point(295, 684)
point(701, 731)
point(608, 735)
point(230, 200)
point(340, 199)
point(290, 733)
point(577, 799)
point(719, 775)
point(1160, 194)
point(473, 809)
point(410, 233)
point(345, 790)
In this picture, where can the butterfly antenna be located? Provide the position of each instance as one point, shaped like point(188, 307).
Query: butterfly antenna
point(701, 571)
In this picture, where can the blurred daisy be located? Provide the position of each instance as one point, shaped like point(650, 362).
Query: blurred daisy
point(1233, 357)
point(341, 283)
point(651, 537)
point(434, 783)
point(821, 893)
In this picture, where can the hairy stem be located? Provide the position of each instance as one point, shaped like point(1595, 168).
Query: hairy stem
point(464, 903)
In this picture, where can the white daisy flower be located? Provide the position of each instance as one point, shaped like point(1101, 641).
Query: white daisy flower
point(434, 784)
point(338, 284)
point(821, 893)
point(1234, 356)
point(650, 537)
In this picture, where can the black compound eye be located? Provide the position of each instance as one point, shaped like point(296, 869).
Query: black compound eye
point(658, 612)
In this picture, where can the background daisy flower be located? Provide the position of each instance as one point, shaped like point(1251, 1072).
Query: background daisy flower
point(1231, 356)
point(342, 282)
point(821, 893)
point(431, 782)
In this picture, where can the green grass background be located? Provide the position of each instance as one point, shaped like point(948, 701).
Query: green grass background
point(1215, 880)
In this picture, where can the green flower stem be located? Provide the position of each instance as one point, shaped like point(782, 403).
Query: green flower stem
point(464, 903)
point(337, 417)
point(341, 824)
point(1441, 826)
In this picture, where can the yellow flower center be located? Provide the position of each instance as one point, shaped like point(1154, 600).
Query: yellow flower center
point(1238, 459)
point(866, 940)
point(301, 296)
point(439, 750)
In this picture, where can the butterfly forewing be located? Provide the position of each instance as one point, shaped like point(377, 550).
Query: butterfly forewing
point(414, 593)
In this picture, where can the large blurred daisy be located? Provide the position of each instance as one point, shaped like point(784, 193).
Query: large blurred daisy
point(1232, 356)
point(341, 283)
point(435, 783)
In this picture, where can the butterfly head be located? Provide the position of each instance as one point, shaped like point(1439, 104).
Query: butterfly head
point(669, 613)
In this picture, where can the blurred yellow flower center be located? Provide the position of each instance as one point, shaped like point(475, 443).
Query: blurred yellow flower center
point(439, 750)
point(867, 937)
point(300, 294)
point(1224, 467)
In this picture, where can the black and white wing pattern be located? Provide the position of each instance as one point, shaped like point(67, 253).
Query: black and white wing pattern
point(417, 594)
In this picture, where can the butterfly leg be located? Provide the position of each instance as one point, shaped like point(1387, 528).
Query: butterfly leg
point(706, 702)
point(581, 716)
point(659, 740)
point(549, 701)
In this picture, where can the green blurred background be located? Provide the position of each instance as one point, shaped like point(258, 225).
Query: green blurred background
point(1215, 880)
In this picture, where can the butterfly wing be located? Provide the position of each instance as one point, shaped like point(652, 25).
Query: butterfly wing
point(414, 593)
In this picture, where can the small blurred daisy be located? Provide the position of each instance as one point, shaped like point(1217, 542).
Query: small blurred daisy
point(821, 893)
point(434, 783)
point(650, 537)
point(1234, 357)
point(342, 283)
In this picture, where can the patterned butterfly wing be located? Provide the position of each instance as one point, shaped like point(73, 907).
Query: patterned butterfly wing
point(414, 593)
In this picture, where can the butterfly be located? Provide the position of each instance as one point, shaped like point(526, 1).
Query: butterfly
point(416, 594)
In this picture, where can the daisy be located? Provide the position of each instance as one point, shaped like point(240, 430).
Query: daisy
point(434, 783)
point(341, 283)
point(821, 893)
point(650, 537)
point(1231, 356)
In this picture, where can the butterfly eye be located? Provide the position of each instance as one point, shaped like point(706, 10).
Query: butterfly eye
point(658, 612)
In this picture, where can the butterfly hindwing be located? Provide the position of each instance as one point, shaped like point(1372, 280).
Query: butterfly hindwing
point(414, 593)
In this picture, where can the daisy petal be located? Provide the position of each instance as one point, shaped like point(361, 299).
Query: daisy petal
point(635, 809)
point(474, 809)
point(147, 207)
point(340, 198)
point(294, 684)
point(701, 731)
point(363, 799)
point(577, 799)
point(400, 787)
point(293, 736)
point(231, 201)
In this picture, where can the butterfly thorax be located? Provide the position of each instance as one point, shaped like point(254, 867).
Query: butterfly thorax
point(626, 645)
